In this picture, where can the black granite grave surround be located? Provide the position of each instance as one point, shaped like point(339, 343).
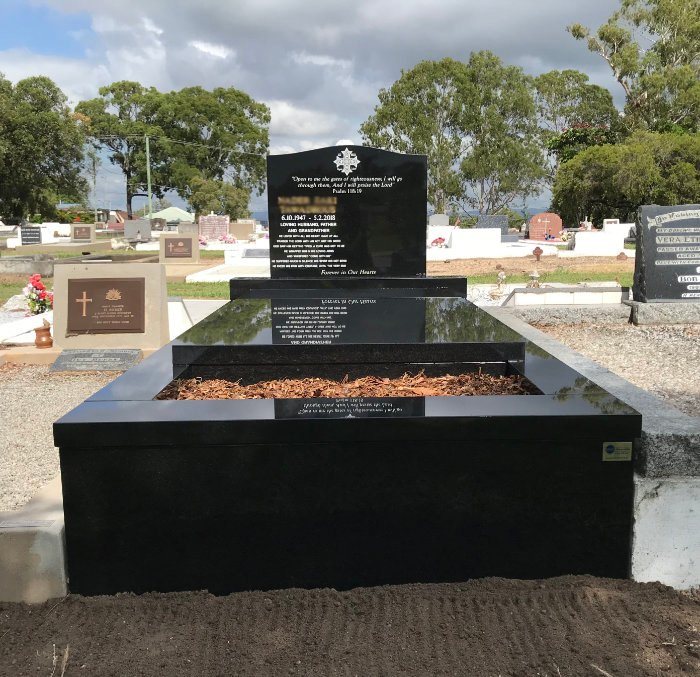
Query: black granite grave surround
point(259, 494)
point(393, 287)
point(667, 264)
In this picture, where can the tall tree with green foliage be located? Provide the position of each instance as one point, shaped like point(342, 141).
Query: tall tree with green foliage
point(426, 112)
point(614, 180)
point(119, 120)
point(218, 135)
point(573, 114)
point(653, 50)
point(41, 148)
point(474, 121)
point(220, 197)
point(502, 159)
point(195, 134)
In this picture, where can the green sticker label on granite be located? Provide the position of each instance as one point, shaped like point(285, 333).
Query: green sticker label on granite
point(617, 451)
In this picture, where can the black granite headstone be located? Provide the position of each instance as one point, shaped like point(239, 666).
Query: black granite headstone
point(347, 211)
point(30, 235)
point(667, 263)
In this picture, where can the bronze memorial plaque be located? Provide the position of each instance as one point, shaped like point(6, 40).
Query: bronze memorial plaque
point(178, 248)
point(106, 306)
point(81, 232)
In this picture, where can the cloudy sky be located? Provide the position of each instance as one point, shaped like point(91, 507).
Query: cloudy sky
point(318, 64)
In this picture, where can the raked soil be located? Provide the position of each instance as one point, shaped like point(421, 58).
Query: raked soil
point(560, 627)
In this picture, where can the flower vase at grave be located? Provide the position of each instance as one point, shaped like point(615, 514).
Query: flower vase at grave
point(43, 337)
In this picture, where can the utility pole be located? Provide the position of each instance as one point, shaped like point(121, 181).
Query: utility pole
point(148, 178)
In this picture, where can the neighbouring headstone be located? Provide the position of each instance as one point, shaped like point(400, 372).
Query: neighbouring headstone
point(545, 226)
point(493, 221)
point(347, 211)
point(242, 229)
point(188, 228)
point(30, 235)
point(214, 226)
point(438, 220)
point(179, 248)
point(82, 232)
point(97, 360)
point(110, 305)
point(137, 229)
point(667, 261)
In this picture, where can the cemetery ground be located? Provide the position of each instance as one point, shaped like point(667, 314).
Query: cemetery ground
point(566, 626)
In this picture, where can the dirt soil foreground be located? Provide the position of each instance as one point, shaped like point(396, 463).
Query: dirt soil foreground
point(525, 265)
point(558, 627)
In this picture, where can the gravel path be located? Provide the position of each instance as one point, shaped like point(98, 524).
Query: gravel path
point(31, 399)
point(664, 360)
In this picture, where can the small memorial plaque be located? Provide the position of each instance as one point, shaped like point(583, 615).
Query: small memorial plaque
point(82, 232)
point(350, 407)
point(178, 248)
point(106, 306)
point(667, 264)
point(96, 360)
point(30, 235)
point(213, 226)
point(347, 211)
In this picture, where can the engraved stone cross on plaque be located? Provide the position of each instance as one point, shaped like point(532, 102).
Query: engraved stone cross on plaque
point(85, 300)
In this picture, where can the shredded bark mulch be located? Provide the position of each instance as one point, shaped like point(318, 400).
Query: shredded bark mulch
point(408, 385)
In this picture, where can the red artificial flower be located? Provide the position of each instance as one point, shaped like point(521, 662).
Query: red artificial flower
point(40, 286)
point(42, 295)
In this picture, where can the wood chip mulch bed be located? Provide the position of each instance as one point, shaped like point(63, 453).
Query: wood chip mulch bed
point(408, 385)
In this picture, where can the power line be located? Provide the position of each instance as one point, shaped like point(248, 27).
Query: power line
point(183, 143)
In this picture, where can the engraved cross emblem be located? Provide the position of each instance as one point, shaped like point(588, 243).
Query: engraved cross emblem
point(85, 300)
point(346, 162)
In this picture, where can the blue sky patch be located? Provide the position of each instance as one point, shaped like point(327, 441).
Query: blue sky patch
point(43, 30)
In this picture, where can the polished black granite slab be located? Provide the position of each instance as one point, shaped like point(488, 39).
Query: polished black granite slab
point(235, 495)
point(349, 211)
point(392, 287)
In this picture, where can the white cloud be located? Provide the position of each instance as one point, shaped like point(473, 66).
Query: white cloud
point(320, 60)
point(291, 120)
point(217, 51)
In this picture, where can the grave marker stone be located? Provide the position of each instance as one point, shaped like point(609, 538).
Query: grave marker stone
point(137, 229)
point(493, 221)
point(82, 232)
point(179, 248)
point(347, 211)
point(110, 305)
point(545, 223)
point(214, 226)
point(30, 235)
point(438, 220)
point(667, 262)
point(96, 360)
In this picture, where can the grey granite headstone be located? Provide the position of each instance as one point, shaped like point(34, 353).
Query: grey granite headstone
point(256, 253)
point(96, 360)
point(438, 220)
point(667, 262)
point(493, 221)
point(138, 229)
point(185, 228)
